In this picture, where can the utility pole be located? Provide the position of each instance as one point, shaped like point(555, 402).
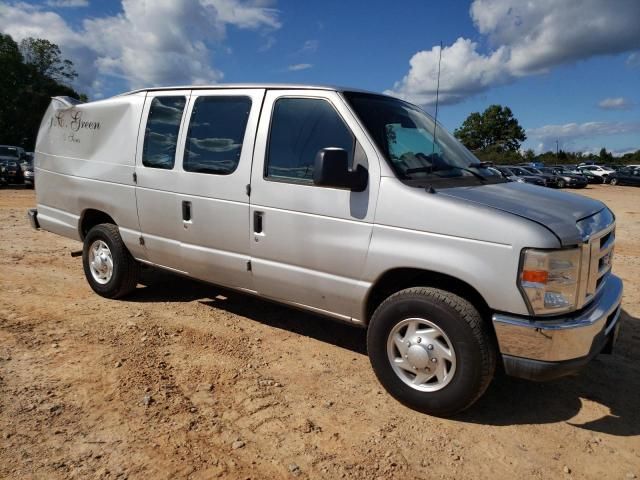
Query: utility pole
point(557, 155)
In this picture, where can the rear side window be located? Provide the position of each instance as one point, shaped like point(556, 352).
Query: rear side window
point(161, 134)
point(300, 127)
point(216, 133)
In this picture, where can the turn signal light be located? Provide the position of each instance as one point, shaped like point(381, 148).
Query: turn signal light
point(535, 276)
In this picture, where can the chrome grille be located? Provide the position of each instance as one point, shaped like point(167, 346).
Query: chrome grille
point(597, 256)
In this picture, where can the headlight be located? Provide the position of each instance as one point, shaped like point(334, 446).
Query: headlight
point(520, 180)
point(549, 279)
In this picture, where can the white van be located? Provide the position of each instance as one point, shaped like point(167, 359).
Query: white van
point(351, 204)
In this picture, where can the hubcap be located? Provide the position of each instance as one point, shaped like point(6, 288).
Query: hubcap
point(100, 262)
point(421, 354)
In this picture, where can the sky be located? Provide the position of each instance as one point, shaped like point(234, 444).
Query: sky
point(569, 70)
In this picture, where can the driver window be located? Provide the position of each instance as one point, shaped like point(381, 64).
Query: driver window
point(300, 127)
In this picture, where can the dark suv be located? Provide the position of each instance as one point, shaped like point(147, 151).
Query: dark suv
point(552, 180)
point(10, 158)
point(566, 179)
point(625, 176)
point(520, 172)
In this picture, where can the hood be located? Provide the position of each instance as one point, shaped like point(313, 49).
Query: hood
point(557, 211)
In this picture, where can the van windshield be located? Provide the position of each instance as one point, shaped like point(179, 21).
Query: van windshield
point(405, 135)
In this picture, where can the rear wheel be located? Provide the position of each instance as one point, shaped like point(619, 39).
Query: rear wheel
point(108, 266)
point(561, 183)
point(431, 350)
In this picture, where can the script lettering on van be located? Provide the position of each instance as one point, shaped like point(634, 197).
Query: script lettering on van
point(73, 121)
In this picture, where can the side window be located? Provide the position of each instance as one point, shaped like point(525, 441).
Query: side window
point(161, 133)
point(216, 133)
point(300, 127)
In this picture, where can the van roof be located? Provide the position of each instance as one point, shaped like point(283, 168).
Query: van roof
point(266, 86)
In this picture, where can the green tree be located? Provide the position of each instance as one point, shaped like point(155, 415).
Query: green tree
point(47, 60)
point(495, 128)
point(529, 155)
point(604, 156)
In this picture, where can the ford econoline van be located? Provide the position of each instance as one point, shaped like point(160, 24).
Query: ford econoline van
point(351, 204)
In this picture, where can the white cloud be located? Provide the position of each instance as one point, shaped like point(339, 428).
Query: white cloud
point(588, 129)
point(269, 42)
point(525, 38)
point(67, 3)
point(633, 60)
point(140, 45)
point(299, 66)
point(570, 132)
point(617, 103)
point(310, 46)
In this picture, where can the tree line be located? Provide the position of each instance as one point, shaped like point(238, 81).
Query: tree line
point(495, 136)
point(33, 71)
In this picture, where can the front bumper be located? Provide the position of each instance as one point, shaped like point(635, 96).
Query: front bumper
point(539, 349)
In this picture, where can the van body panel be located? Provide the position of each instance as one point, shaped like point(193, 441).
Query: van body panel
point(215, 242)
point(314, 242)
point(158, 206)
point(417, 229)
point(552, 209)
point(84, 159)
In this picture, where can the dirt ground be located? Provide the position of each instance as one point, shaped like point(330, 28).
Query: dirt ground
point(185, 380)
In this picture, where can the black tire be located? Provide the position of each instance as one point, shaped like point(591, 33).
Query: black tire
point(613, 181)
point(470, 337)
point(125, 268)
point(561, 184)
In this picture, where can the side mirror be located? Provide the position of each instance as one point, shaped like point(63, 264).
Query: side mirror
point(331, 169)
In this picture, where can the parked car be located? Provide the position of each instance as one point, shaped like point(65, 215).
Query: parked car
point(591, 178)
point(506, 174)
point(344, 203)
point(552, 180)
point(625, 176)
point(566, 179)
point(596, 170)
point(28, 174)
point(4, 179)
point(523, 174)
point(10, 158)
point(13, 172)
point(531, 164)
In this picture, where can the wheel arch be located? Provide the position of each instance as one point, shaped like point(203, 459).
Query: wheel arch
point(91, 217)
point(397, 279)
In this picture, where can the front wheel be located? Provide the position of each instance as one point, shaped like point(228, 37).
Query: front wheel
point(108, 266)
point(431, 350)
point(613, 181)
point(561, 184)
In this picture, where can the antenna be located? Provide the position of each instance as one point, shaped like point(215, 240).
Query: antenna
point(435, 118)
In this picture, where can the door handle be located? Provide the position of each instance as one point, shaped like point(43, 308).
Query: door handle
point(186, 211)
point(257, 222)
